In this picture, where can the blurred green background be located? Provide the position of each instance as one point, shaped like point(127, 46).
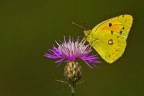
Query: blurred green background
point(29, 28)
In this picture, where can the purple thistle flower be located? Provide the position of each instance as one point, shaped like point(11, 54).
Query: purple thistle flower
point(71, 50)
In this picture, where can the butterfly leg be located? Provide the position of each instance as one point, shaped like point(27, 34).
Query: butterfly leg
point(84, 40)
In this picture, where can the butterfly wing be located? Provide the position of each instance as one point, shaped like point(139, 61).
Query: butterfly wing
point(109, 37)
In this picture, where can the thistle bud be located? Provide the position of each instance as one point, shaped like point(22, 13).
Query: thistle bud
point(72, 72)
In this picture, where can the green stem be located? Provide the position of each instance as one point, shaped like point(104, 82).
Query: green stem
point(72, 89)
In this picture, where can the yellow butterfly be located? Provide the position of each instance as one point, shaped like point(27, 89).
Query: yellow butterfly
point(109, 37)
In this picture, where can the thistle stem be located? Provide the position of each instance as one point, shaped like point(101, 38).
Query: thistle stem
point(72, 86)
point(73, 91)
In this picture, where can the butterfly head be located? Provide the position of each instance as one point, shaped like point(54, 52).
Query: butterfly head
point(87, 32)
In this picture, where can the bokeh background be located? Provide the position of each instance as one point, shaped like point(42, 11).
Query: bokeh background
point(29, 28)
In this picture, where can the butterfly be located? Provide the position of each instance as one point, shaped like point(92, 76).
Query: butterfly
point(109, 37)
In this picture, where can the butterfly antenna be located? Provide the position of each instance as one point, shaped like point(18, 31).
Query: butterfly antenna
point(79, 25)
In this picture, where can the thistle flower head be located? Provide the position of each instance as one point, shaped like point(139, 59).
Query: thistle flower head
point(71, 50)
